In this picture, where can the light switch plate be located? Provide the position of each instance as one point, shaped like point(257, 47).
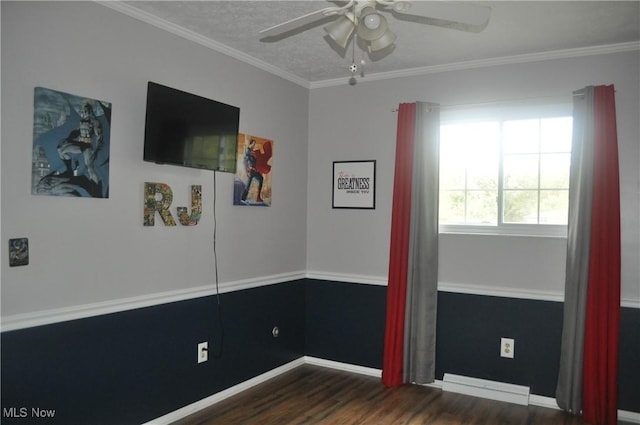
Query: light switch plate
point(203, 352)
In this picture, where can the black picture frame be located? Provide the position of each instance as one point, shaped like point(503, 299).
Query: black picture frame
point(354, 185)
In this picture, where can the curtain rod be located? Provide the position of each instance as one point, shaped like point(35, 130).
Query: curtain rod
point(559, 99)
point(505, 102)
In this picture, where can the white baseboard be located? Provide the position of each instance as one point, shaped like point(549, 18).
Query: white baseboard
point(535, 400)
point(362, 370)
point(222, 395)
point(550, 403)
point(542, 401)
point(626, 416)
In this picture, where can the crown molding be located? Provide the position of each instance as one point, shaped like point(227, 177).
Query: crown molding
point(203, 41)
point(485, 63)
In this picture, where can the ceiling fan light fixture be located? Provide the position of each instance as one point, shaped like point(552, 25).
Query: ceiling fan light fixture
point(371, 21)
point(387, 39)
point(340, 30)
point(371, 25)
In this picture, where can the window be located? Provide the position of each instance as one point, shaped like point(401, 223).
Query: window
point(505, 171)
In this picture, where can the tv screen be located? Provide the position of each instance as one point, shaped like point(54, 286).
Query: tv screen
point(189, 130)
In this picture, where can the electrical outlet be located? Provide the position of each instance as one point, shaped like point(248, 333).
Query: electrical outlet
point(203, 352)
point(507, 347)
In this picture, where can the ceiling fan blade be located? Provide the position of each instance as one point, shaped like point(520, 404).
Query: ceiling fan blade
point(300, 21)
point(456, 15)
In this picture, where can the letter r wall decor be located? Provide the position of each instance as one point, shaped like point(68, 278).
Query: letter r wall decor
point(158, 198)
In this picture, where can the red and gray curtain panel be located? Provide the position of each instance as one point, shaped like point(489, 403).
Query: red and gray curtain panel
point(588, 375)
point(409, 346)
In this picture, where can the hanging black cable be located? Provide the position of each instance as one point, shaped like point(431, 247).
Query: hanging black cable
point(217, 354)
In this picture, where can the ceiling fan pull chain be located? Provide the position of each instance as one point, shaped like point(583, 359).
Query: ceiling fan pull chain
point(353, 67)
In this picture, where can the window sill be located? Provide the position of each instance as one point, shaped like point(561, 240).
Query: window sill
point(515, 230)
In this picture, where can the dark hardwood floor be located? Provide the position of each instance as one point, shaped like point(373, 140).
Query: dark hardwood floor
point(313, 395)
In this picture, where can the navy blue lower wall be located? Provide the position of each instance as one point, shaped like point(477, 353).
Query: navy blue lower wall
point(629, 363)
point(469, 329)
point(134, 366)
point(343, 323)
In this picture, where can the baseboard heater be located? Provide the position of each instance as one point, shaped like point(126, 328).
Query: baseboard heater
point(483, 388)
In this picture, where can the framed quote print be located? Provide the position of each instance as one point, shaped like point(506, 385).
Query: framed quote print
point(354, 184)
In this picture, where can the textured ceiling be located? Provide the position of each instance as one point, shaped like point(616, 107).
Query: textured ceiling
point(516, 28)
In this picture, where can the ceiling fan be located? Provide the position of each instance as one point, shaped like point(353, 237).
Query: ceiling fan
point(366, 19)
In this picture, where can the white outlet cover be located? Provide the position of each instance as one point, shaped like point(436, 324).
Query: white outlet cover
point(507, 347)
point(203, 352)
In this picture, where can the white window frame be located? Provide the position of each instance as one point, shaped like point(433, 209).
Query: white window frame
point(507, 111)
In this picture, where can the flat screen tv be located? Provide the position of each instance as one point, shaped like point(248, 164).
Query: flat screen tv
point(189, 130)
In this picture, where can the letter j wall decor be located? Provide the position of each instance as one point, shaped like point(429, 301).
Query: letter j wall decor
point(354, 184)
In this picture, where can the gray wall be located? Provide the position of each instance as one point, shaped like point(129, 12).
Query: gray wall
point(90, 251)
point(357, 122)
